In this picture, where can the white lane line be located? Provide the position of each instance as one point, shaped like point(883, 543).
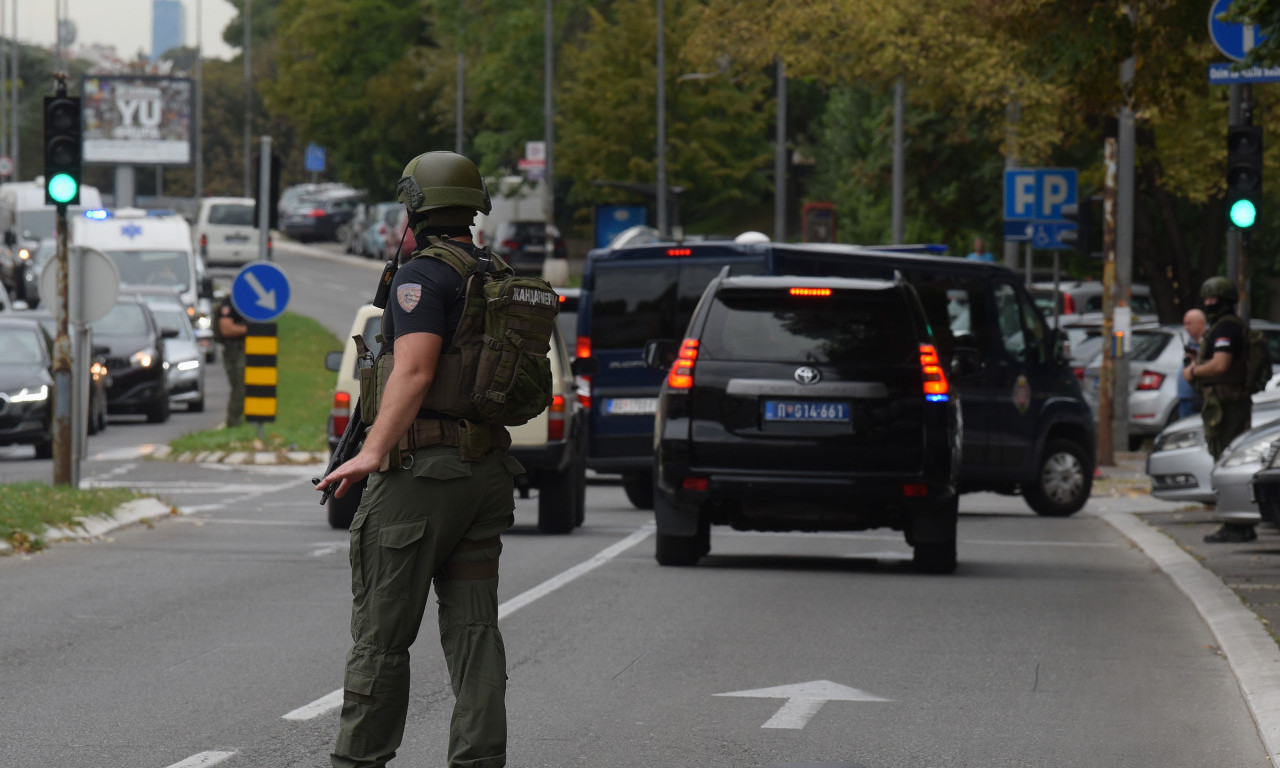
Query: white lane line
point(203, 759)
point(317, 707)
point(333, 700)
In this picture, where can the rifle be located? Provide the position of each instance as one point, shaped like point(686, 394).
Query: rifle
point(353, 436)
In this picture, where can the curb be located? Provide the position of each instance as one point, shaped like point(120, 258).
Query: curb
point(128, 513)
point(1250, 650)
point(164, 453)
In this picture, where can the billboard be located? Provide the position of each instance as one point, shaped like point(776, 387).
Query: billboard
point(137, 120)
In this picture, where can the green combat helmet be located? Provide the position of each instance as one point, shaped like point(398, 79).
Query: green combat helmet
point(445, 183)
point(1221, 289)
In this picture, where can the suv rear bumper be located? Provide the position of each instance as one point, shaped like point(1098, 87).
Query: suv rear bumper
point(762, 502)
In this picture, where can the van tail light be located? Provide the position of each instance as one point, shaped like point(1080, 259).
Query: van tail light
point(204, 246)
point(341, 413)
point(510, 245)
point(582, 349)
point(936, 388)
point(1068, 304)
point(679, 251)
point(681, 375)
point(1079, 372)
point(915, 490)
point(695, 484)
point(1150, 381)
point(555, 418)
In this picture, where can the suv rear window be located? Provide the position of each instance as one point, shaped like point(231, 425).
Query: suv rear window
point(847, 327)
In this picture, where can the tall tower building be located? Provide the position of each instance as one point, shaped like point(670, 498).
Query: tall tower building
point(168, 26)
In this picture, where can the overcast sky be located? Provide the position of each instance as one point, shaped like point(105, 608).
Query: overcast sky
point(126, 24)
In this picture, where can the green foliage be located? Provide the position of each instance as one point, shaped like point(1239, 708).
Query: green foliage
point(303, 395)
point(1266, 14)
point(29, 508)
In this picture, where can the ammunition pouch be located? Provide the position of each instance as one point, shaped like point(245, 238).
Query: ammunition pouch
point(472, 440)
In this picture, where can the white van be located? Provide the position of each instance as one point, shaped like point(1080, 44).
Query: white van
point(24, 213)
point(226, 231)
point(152, 248)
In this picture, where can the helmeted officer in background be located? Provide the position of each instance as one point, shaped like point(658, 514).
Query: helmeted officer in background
point(440, 493)
point(1219, 373)
point(231, 330)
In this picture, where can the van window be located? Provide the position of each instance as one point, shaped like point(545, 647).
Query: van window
point(231, 214)
point(956, 308)
point(38, 224)
point(171, 268)
point(847, 328)
point(631, 304)
point(1138, 304)
point(1020, 323)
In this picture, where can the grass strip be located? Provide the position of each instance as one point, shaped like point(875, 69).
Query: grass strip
point(303, 396)
point(28, 508)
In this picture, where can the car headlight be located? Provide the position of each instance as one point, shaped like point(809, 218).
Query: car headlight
point(188, 365)
point(1249, 452)
point(1183, 438)
point(203, 322)
point(143, 358)
point(29, 395)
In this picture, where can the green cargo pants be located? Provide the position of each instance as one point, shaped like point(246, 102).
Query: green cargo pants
point(1224, 421)
point(440, 518)
point(233, 361)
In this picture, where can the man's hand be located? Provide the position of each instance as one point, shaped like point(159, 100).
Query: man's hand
point(350, 473)
point(1186, 373)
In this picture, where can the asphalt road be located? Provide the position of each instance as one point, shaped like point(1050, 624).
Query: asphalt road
point(216, 636)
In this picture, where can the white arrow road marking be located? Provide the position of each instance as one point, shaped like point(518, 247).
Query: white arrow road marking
point(333, 700)
point(203, 760)
point(803, 700)
point(265, 298)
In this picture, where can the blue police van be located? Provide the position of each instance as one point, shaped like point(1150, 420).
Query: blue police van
point(1027, 428)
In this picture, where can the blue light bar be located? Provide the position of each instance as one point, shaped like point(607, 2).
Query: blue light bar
point(97, 214)
point(937, 398)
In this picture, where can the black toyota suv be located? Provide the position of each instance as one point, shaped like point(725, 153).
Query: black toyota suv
point(805, 404)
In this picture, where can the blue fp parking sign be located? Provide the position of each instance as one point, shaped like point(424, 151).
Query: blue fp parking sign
point(1038, 194)
point(260, 292)
point(314, 158)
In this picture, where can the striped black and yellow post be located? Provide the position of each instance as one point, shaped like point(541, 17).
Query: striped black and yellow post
point(261, 347)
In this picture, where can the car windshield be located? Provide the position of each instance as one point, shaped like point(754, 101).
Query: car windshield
point(20, 346)
point(168, 268)
point(38, 224)
point(171, 318)
point(1147, 345)
point(122, 320)
point(847, 327)
point(231, 214)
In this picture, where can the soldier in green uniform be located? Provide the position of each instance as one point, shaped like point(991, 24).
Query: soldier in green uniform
point(440, 493)
point(232, 329)
point(1219, 373)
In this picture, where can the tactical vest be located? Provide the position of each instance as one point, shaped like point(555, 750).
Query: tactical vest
point(1229, 386)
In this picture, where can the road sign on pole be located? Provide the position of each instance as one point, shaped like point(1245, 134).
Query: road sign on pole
point(1234, 40)
point(260, 292)
point(1038, 194)
point(314, 158)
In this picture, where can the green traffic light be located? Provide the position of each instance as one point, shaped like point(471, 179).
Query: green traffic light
point(62, 188)
point(1243, 213)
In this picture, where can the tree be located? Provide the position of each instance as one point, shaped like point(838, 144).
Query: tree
point(1266, 14)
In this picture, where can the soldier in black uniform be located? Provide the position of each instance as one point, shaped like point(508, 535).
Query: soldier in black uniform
point(1219, 373)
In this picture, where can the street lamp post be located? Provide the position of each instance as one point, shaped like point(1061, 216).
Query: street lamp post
point(664, 228)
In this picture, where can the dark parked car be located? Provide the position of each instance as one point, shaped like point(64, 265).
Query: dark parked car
point(26, 386)
point(523, 244)
point(319, 217)
point(133, 344)
point(806, 404)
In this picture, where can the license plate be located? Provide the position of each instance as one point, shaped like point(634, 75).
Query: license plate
point(805, 410)
point(237, 238)
point(631, 406)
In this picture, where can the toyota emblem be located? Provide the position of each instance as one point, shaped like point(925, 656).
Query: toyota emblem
point(807, 375)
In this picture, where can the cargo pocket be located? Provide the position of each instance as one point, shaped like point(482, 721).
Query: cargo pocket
point(358, 565)
point(1211, 412)
point(513, 465)
point(399, 556)
point(440, 464)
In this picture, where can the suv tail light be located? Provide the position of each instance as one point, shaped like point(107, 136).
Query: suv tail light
point(681, 375)
point(936, 388)
point(316, 213)
point(679, 251)
point(341, 413)
point(810, 291)
point(583, 349)
point(555, 418)
point(1150, 381)
point(510, 245)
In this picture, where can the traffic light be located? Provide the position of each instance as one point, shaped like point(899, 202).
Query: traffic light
point(1244, 174)
point(273, 194)
point(62, 150)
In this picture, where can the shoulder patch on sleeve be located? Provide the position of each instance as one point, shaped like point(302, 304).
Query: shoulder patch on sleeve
point(408, 296)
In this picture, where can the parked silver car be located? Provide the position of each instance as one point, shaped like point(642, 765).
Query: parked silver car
point(1180, 466)
point(1155, 362)
point(1232, 476)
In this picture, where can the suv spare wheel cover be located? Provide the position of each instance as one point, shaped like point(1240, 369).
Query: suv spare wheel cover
point(807, 375)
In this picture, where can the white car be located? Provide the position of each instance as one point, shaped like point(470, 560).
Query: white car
point(226, 232)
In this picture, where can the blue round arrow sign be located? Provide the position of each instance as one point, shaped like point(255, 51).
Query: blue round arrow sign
point(260, 292)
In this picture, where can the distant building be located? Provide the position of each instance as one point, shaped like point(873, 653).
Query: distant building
point(168, 26)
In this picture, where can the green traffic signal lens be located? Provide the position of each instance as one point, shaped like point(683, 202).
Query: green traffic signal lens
point(1243, 213)
point(62, 188)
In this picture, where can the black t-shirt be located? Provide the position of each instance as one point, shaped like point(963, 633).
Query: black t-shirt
point(227, 309)
point(426, 297)
point(1226, 335)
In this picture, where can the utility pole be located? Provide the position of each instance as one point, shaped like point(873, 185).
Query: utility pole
point(549, 131)
point(664, 229)
point(899, 159)
point(248, 104)
point(199, 126)
point(780, 159)
point(1106, 384)
point(1123, 315)
point(13, 103)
